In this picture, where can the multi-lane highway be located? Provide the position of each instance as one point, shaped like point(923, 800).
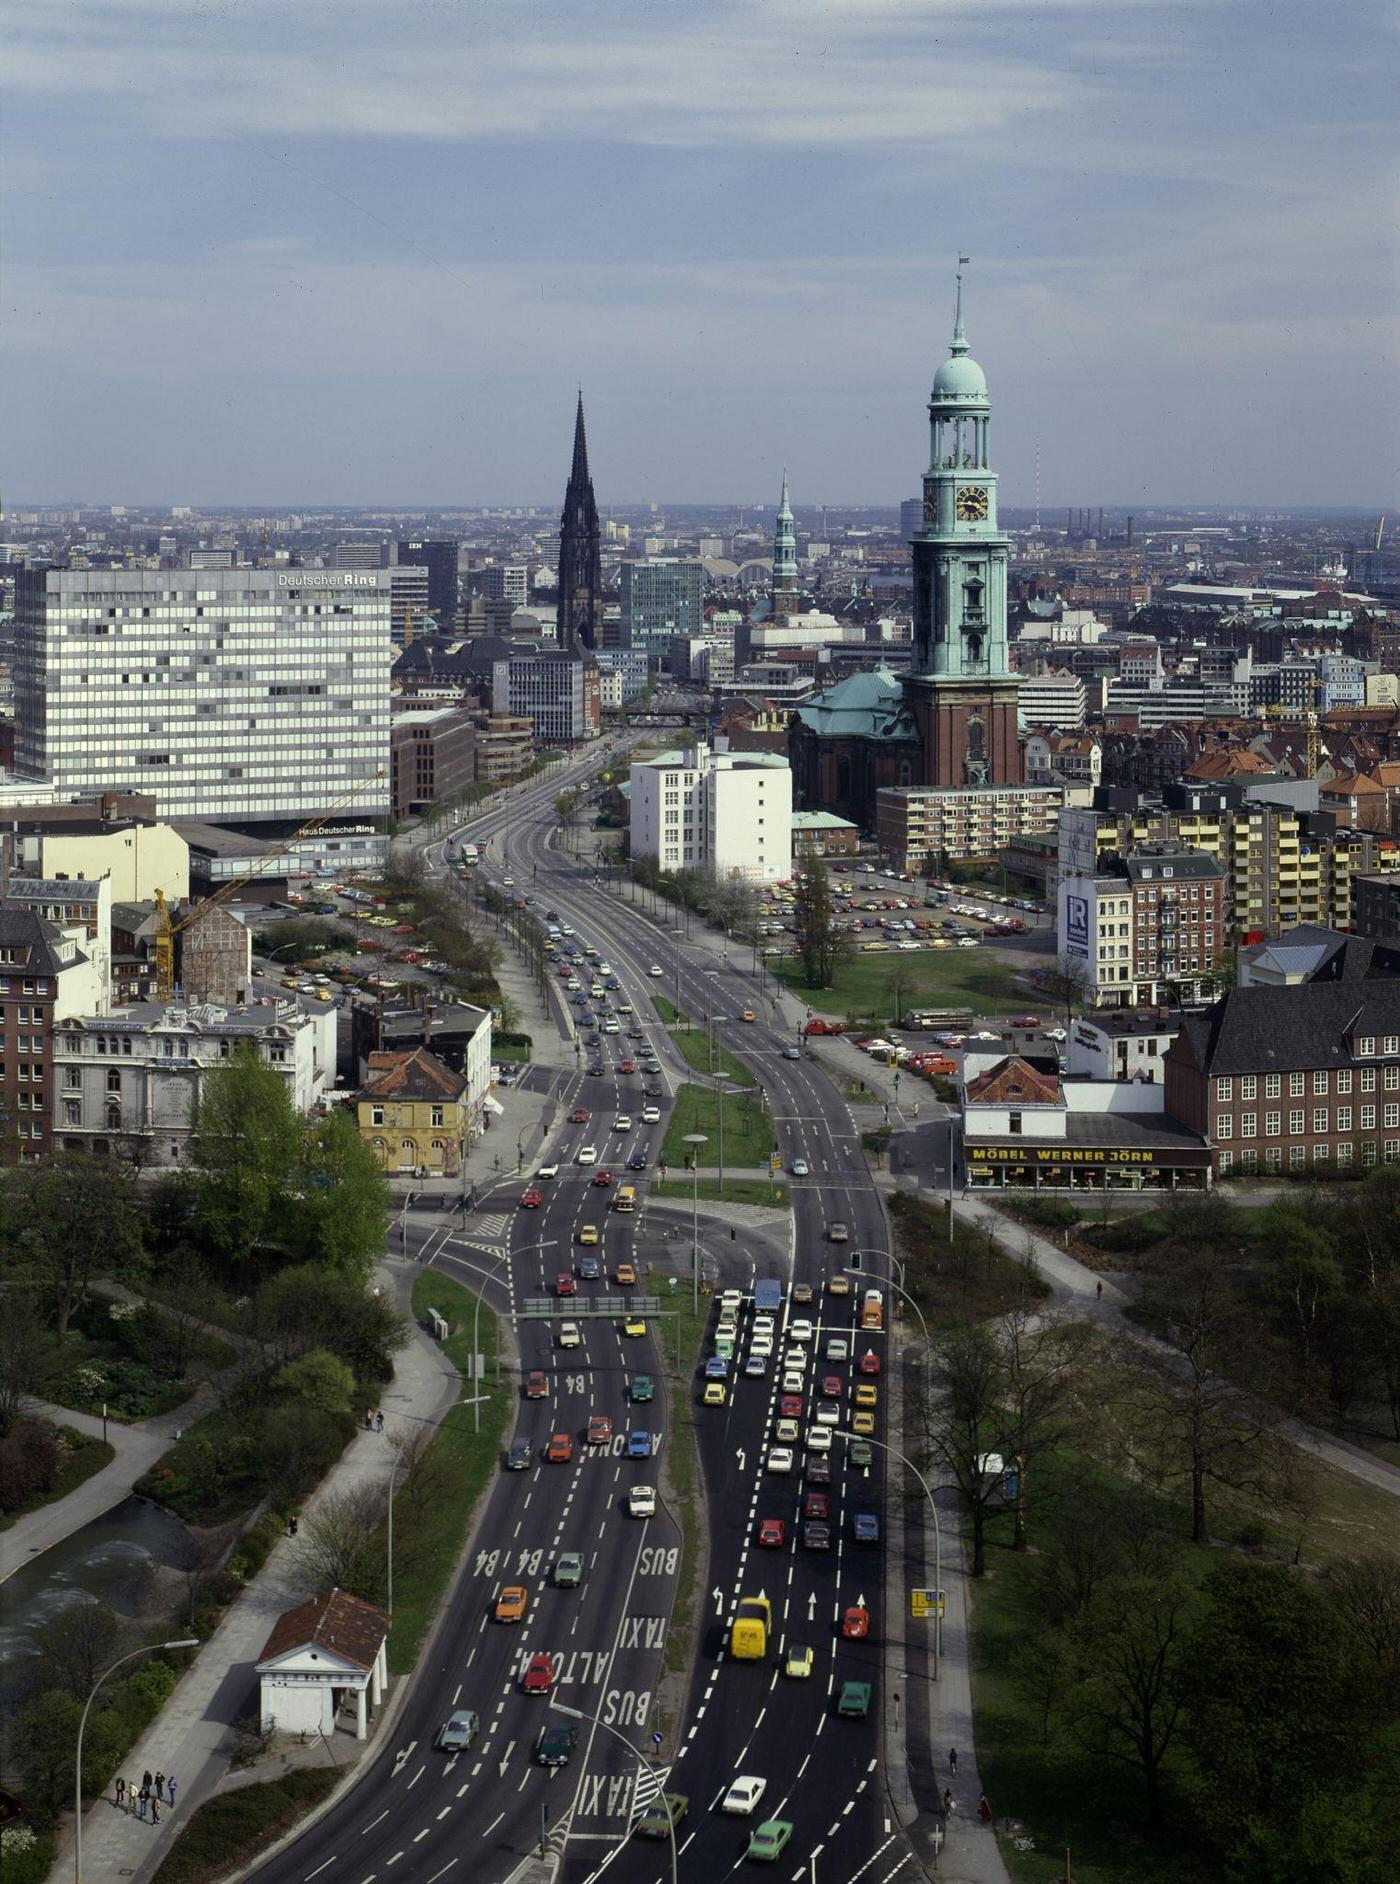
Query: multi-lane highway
point(423, 1814)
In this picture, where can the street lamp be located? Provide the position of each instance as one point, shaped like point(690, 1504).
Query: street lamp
point(894, 1452)
point(150, 1647)
point(574, 1713)
point(898, 1287)
point(697, 1139)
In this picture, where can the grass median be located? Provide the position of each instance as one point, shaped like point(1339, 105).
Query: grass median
point(231, 1829)
point(683, 1466)
point(704, 1053)
point(461, 1465)
point(748, 1128)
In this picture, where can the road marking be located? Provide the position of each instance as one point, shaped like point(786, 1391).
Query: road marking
point(416, 1777)
point(443, 1872)
point(319, 1869)
point(444, 1812)
point(418, 1837)
point(394, 1860)
point(373, 1822)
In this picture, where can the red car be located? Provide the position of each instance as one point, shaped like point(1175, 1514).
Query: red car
point(855, 1624)
point(564, 1283)
point(1026, 1020)
point(602, 1179)
point(627, 1066)
point(816, 1505)
point(772, 1533)
point(560, 1449)
point(579, 1116)
point(831, 1387)
point(539, 1674)
point(599, 1429)
point(531, 1199)
point(869, 1362)
point(790, 1406)
point(536, 1386)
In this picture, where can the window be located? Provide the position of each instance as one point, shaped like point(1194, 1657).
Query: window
point(376, 1115)
point(1368, 1152)
point(1297, 1156)
point(1391, 1044)
point(1224, 1090)
point(1295, 1085)
point(1273, 1157)
point(1368, 1118)
point(1295, 1123)
point(1368, 1079)
point(1224, 1125)
point(1344, 1154)
point(1392, 1079)
point(71, 1112)
point(1392, 1150)
point(114, 1082)
point(1226, 1161)
point(1320, 1083)
point(1319, 1118)
point(1272, 1124)
point(1013, 1122)
point(1248, 1086)
point(1273, 1085)
point(1249, 1125)
point(1344, 1079)
point(1391, 1119)
point(438, 1117)
point(1367, 1044)
point(1343, 1118)
point(1249, 1160)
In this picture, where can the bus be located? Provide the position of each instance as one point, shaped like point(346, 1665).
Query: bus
point(924, 1019)
point(626, 1198)
point(470, 855)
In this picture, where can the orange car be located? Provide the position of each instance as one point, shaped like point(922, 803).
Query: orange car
point(626, 1275)
point(510, 1604)
point(560, 1449)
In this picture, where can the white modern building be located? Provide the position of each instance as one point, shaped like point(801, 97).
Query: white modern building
point(248, 695)
point(557, 689)
point(726, 811)
point(1056, 700)
point(133, 1076)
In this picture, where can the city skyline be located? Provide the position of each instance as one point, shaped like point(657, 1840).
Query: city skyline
point(373, 268)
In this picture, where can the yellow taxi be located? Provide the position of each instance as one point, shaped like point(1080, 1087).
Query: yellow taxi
point(863, 1424)
point(634, 1325)
point(866, 1395)
point(748, 1015)
point(289, 981)
point(588, 1234)
point(510, 1604)
point(714, 1394)
point(625, 1275)
point(799, 1662)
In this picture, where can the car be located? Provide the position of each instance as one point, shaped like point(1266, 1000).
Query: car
point(816, 1537)
point(547, 1171)
point(586, 1154)
point(1054, 1033)
point(717, 1367)
point(531, 1198)
point(637, 1162)
point(792, 1053)
point(588, 1235)
point(639, 1445)
point(747, 1014)
point(799, 1663)
point(860, 1452)
point(458, 1731)
point(865, 1527)
point(788, 1432)
point(569, 1336)
point(536, 1385)
point(802, 1293)
point(828, 1414)
point(566, 1283)
point(869, 1363)
point(744, 1794)
point(838, 1285)
point(636, 1033)
point(579, 1116)
point(568, 1569)
point(792, 1380)
point(520, 1455)
point(816, 1469)
point(756, 1366)
point(634, 1325)
point(1026, 1020)
point(653, 1092)
point(866, 1395)
point(642, 1389)
point(855, 1623)
point(625, 1275)
point(655, 971)
point(555, 1746)
point(560, 1449)
point(539, 1674)
point(663, 1815)
point(838, 1233)
point(800, 1168)
point(761, 1345)
point(838, 1348)
point(599, 1429)
point(833, 1387)
point(772, 1533)
point(597, 1069)
point(817, 1504)
point(627, 1066)
point(854, 1700)
point(651, 1115)
point(863, 1424)
point(595, 1040)
point(800, 1332)
point(793, 1359)
point(819, 1439)
point(641, 1501)
point(790, 1406)
point(512, 1603)
point(779, 1459)
point(769, 1841)
point(602, 1179)
point(623, 1122)
point(715, 1393)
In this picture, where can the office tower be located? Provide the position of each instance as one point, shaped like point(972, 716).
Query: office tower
point(506, 582)
point(438, 555)
point(661, 600)
point(580, 570)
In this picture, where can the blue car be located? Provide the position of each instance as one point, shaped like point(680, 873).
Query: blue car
point(595, 1040)
point(867, 1527)
point(613, 983)
point(717, 1367)
point(639, 1445)
point(637, 1162)
point(589, 1269)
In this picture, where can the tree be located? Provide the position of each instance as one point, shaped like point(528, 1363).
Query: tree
point(820, 944)
point(68, 1220)
point(22, 1346)
point(1132, 1643)
point(1302, 1276)
point(1069, 985)
point(971, 1425)
point(244, 1155)
point(344, 1213)
point(76, 1646)
point(338, 1546)
point(302, 1308)
point(1043, 1357)
point(1366, 1594)
point(320, 1379)
point(45, 1742)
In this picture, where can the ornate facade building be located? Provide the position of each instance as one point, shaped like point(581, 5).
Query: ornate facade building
point(950, 724)
point(580, 567)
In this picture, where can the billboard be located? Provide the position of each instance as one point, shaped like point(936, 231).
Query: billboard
point(1076, 938)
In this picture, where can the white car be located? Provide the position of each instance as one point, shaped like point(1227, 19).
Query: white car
point(838, 1348)
point(730, 1303)
point(763, 1324)
point(655, 972)
point(800, 1168)
point(800, 1332)
point(610, 1026)
point(605, 968)
point(587, 1154)
point(794, 1358)
point(641, 1501)
point(794, 1381)
point(622, 1123)
point(569, 1336)
point(547, 1171)
point(762, 1346)
point(828, 1413)
point(744, 1795)
point(651, 1115)
point(819, 1439)
point(1054, 1033)
point(780, 1458)
point(625, 1007)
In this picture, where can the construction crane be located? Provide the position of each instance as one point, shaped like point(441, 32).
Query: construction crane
point(1312, 728)
point(166, 930)
point(1380, 534)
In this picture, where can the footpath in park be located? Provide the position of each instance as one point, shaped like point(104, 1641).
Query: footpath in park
point(194, 1736)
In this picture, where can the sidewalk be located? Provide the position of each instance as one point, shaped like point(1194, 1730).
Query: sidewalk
point(193, 1738)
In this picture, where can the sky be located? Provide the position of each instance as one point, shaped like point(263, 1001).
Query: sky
point(315, 252)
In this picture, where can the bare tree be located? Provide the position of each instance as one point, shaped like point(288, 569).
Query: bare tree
point(969, 1426)
point(1367, 1592)
point(338, 1545)
point(1043, 1357)
point(1132, 1645)
point(21, 1352)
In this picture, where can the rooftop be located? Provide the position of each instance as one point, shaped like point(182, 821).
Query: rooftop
point(333, 1620)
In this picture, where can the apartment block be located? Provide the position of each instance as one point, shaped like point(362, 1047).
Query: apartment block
point(913, 822)
point(1150, 930)
point(730, 812)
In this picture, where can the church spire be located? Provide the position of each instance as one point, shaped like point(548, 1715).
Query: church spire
point(959, 332)
point(785, 596)
point(579, 473)
point(580, 563)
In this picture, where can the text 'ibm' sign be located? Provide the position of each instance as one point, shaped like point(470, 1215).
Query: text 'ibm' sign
point(1077, 925)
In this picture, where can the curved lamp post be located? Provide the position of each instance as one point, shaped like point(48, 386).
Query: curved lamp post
point(573, 1713)
point(135, 1654)
point(697, 1139)
point(909, 1464)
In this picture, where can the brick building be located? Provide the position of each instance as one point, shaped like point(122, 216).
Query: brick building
point(432, 757)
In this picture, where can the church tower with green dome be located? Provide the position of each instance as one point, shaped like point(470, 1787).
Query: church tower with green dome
point(961, 690)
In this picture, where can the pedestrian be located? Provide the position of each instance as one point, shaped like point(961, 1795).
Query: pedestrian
point(953, 1761)
point(1098, 1291)
point(145, 1795)
point(947, 1803)
point(292, 1525)
point(379, 1422)
point(170, 1790)
point(155, 1813)
point(121, 1795)
point(131, 1795)
point(160, 1784)
point(984, 1809)
point(369, 1419)
point(145, 1782)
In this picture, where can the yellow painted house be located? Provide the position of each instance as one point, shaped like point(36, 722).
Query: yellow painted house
point(412, 1111)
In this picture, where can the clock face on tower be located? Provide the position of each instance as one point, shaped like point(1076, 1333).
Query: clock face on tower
point(971, 505)
point(930, 507)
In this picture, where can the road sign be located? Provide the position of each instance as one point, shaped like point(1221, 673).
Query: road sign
point(775, 1162)
point(926, 1603)
point(656, 1739)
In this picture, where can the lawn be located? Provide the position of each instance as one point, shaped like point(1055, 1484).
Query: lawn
point(84, 1454)
point(732, 1191)
point(748, 1129)
point(230, 1829)
point(885, 986)
point(694, 1046)
point(464, 1463)
point(665, 1010)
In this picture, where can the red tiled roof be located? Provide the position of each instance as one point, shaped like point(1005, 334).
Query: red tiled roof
point(332, 1620)
point(1012, 1082)
point(417, 1074)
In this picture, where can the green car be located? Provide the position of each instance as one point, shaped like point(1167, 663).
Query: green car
point(768, 1841)
point(568, 1570)
point(643, 1388)
point(861, 1452)
point(854, 1703)
point(656, 1822)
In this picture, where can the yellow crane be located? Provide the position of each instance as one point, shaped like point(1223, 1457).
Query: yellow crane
point(1312, 727)
point(166, 930)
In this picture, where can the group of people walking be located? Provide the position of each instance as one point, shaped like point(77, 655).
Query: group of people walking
point(984, 1804)
point(146, 1799)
